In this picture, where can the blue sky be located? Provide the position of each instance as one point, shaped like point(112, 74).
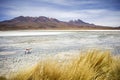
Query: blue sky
point(100, 12)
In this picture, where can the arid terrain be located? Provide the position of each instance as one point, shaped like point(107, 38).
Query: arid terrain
point(56, 44)
point(45, 23)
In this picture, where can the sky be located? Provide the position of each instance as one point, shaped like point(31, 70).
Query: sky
point(99, 12)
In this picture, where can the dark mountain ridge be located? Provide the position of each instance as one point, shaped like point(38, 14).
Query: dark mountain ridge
point(42, 22)
point(80, 22)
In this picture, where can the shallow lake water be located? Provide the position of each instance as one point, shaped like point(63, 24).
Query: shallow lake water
point(14, 44)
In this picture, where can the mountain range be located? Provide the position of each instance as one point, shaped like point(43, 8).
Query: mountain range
point(45, 23)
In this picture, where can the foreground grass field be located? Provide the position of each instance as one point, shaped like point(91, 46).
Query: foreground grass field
point(92, 65)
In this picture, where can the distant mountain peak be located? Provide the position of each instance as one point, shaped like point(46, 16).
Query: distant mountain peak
point(34, 19)
point(21, 18)
point(77, 21)
point(80, 22)
point(42, 22)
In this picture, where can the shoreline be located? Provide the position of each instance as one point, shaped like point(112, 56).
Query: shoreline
point(46, 32)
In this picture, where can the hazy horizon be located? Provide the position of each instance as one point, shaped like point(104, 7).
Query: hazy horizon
point(99, 12)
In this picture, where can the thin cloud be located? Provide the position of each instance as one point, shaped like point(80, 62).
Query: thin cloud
point(96, 16)
point(89, 11)
point(70, 2)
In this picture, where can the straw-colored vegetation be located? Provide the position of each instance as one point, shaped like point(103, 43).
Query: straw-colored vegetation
point(2, 78)
point(92, 65)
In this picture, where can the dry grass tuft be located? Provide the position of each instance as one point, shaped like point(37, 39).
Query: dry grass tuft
point(2, 78)
point(92, 65)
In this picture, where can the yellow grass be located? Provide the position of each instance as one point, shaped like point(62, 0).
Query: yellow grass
point(2, 78)
point(92, 65)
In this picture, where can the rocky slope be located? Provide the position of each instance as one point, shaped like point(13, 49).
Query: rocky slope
point(45, 23)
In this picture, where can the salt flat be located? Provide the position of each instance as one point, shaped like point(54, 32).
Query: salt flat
point(43, 44)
